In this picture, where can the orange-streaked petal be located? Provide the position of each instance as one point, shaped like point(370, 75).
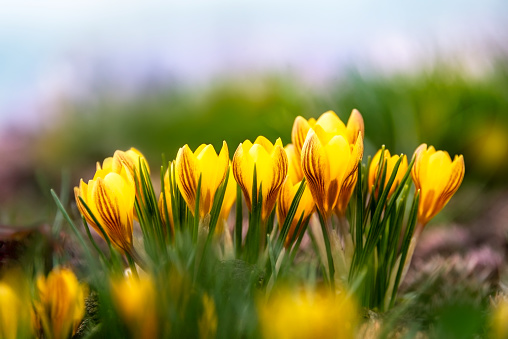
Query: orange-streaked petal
point(315, 166)
point(355, 125)
point(187, 175)
point(299, 133)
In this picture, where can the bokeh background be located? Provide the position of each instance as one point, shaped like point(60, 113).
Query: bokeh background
point(80, 79)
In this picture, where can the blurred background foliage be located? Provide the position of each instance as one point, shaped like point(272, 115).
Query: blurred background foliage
point(442, 106)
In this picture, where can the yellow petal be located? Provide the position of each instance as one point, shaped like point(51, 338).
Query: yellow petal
point(213, 171)
point(355, 125)
point(299, 133)
point(265, 143)
point(279, 173)
point(243, 170)
point(113, 201)
point(332, 124)
point(229, 197)
point(315, 166)
point(187, 175)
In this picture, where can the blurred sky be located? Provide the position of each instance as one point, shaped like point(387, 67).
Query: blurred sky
point(54, 48)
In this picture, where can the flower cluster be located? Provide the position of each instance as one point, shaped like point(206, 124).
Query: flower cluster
point(316, 187)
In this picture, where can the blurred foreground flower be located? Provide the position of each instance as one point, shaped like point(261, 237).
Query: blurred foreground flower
point(389, 161)
point(110, 198)
point(208, 322)
point(438, 178)
point(15, 306)
point(271, 163)
point(305, 314)
point(499, 318)
point(135, 300)
point(206, 163)
point(60, 303)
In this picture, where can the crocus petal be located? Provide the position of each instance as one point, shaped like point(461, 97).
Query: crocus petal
point(213, 171)
point(187, 175)
point(279, 173)
point(331, 123)
point(113, 204)
point(243, 170)
point(229, 197)
point(299, 133)
point(315, 166)
point(60, 305)
point(295, 172)
point(355, 125)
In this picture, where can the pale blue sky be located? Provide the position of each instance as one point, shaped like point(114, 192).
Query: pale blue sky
point(59, 47)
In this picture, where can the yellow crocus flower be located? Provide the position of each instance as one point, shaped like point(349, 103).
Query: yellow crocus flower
point(136, 302)
point(110, 197)
point(390, 161)
point(271, 164)
point(206, 163)
point(329, 163)
point(437, 178)
point(15, 306)
point(331, 124)
point(60, 303)
point(306, 314)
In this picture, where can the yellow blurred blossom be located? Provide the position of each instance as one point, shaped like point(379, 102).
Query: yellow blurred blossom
point(499, 319)
point(60, 303)
point(208, 322)
point(15, 306)
point(304, 314)
point(136, 302)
